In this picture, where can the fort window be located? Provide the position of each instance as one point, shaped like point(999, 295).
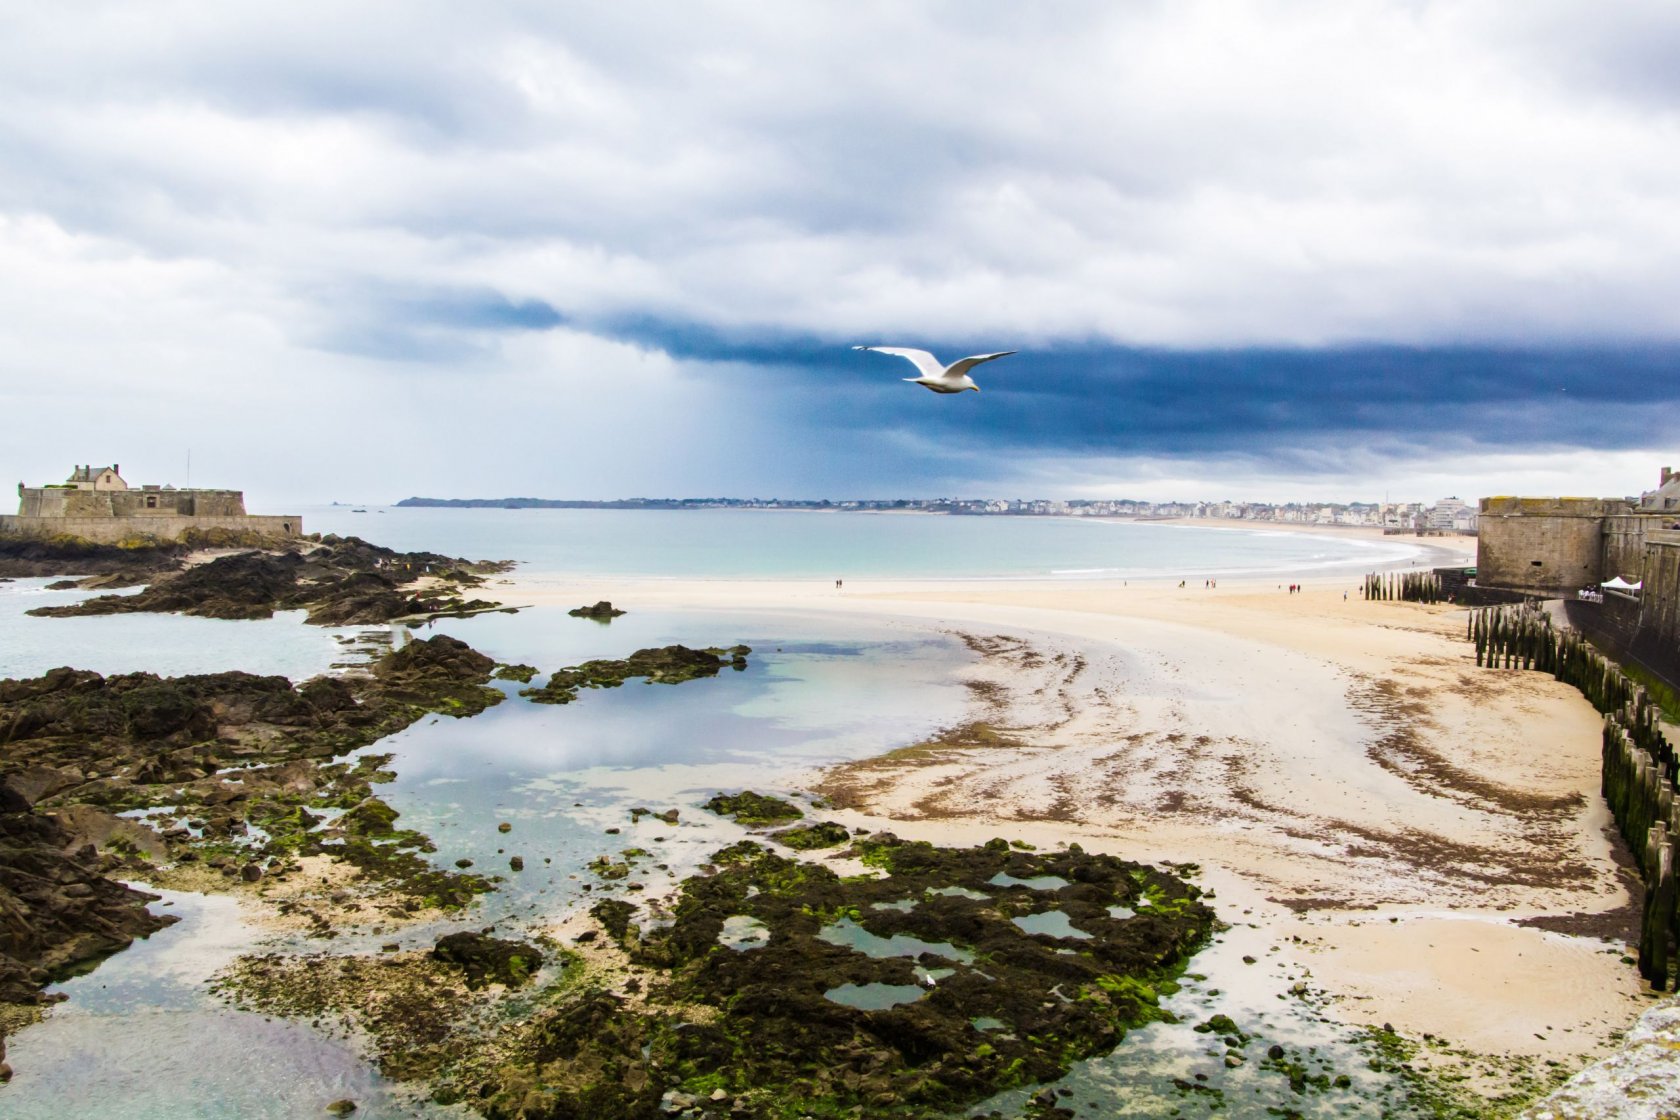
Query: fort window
point(151, 501)
point(1534, 563)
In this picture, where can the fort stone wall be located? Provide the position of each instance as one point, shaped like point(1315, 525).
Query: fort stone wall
point(162, 526)
point(151, 501)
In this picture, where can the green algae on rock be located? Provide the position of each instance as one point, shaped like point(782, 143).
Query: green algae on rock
point(751, 1030)
point(751, 808)
point(664, 665)
point(809, 837)
point(520, 673)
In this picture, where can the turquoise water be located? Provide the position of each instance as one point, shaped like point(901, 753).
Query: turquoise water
point(814, 692)
point(796, 545)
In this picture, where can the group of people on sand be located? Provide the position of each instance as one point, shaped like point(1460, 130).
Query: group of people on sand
point(1294, 589)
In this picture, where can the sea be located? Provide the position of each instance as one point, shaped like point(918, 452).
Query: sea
point(142, 1036)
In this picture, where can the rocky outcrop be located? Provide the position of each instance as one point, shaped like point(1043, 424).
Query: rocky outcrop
point(600, 612)
point(57, 556)
point(341, 582)
point(227, 753)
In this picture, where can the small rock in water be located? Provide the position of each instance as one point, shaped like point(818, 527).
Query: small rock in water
point(505, 826)
point(516, 863)
point(341, 1107)
point(463, 863)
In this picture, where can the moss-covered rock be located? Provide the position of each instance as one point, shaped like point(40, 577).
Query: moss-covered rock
point(489, 960)
point(808, 837)
point(751, 808)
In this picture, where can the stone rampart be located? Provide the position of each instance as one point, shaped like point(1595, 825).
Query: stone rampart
point(1660, 597)
point(1545, 545)
point(1624, 544)
point(165, 527)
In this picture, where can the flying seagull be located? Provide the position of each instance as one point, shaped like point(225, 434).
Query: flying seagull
point(939, 378)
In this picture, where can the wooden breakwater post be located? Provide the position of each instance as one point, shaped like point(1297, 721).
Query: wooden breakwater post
point(1640, 772)
point(1659, 909)
point(1410, 587)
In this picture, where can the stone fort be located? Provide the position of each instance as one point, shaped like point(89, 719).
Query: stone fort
point(95, 503)
point(1554, 547)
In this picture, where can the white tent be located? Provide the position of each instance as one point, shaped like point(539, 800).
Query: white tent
point(1620, 584)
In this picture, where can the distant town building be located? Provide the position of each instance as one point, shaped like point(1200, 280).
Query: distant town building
point(1665, 498)
point(1451, 513)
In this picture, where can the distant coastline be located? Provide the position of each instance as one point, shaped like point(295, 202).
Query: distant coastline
point(1395, 518)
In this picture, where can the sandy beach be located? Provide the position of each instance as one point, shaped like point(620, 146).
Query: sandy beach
point(1424, 838)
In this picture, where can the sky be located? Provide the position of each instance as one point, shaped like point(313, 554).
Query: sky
point(1282, 251)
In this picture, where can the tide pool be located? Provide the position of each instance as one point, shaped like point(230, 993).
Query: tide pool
point(169, 645)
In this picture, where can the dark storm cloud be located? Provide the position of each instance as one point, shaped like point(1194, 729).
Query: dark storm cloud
point(1107, 400)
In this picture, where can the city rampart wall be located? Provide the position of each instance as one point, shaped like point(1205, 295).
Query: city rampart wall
point(1660, 597)
point(1624, 543)
point(1544, 545)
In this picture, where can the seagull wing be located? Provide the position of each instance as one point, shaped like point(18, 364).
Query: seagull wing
point(921, 359)
point(963, 365)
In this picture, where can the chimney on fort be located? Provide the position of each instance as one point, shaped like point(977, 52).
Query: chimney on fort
point(1666, 475)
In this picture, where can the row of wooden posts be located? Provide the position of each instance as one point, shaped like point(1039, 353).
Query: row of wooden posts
point(1412, 587)
point(1640, 766)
